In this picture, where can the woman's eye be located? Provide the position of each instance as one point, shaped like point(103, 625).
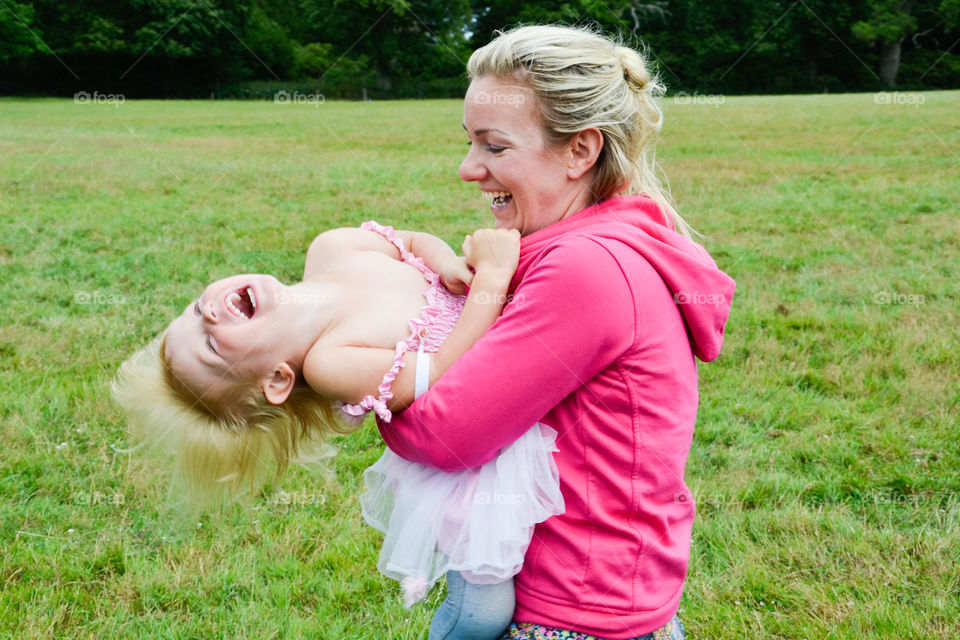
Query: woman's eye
point(495, 150)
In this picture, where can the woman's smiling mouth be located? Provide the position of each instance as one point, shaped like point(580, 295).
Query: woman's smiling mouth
point(499, 199)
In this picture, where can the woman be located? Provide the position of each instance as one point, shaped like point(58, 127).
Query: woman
point(610, 304)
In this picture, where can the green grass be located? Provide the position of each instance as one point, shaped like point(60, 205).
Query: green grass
point(825, 459)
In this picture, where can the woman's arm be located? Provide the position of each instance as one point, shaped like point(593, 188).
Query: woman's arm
point(571, 317)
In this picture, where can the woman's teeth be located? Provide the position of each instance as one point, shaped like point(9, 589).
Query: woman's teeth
point(500, 198)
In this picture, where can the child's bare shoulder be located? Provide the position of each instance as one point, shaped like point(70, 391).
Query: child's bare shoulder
point(331, 245)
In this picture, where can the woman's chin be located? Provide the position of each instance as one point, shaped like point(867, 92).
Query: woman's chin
point(505, 218)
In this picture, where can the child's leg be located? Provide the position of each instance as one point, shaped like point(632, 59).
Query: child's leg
point(473, 611)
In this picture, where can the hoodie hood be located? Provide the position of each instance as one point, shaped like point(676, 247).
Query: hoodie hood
point(701, 290)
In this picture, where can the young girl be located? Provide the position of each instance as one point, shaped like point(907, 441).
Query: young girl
point(255, 369)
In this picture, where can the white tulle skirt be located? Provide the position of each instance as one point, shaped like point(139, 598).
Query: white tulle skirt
point(478, 521)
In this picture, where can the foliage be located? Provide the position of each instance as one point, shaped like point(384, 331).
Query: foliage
point(392, 48)
point(17, 38)
point(890, 21)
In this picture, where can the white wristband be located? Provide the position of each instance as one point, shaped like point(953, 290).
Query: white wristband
point(422, 382)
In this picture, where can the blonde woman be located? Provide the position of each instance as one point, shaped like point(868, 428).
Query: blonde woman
point(611, 303)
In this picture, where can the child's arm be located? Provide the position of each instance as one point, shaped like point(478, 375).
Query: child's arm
point(440, 258)
point(350, 373)
point(434, 252)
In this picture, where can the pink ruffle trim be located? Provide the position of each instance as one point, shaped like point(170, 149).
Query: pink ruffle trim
point(439, 311)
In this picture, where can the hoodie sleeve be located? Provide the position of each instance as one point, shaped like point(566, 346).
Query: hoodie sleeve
point(571, 317)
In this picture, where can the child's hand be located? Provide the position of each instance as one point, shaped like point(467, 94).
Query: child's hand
point(493, 250)
point(455, 275)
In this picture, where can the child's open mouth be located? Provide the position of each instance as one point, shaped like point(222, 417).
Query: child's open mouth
point(242, 303)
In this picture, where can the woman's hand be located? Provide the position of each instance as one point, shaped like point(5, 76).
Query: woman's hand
point(494, 251)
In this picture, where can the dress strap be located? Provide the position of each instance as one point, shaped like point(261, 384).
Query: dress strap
point(354, 413)
point(390, 234)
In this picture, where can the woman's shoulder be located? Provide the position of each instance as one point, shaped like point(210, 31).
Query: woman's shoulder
point(588, 247)
point(575, 261)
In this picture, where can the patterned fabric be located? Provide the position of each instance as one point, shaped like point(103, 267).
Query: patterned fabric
point(673, 630)
point(436, 320)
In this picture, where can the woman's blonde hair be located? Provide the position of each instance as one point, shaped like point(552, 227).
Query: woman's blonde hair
point(584, 80)
point(221, 444)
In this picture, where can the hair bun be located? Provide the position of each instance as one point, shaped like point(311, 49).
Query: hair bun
point(634, 71)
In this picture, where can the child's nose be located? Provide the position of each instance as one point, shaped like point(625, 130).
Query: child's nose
point(209, 312)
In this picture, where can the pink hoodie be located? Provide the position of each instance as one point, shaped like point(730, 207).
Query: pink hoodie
point(609, 309)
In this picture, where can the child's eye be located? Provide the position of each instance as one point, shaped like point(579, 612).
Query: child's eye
point(196, 308)
point(209, 342)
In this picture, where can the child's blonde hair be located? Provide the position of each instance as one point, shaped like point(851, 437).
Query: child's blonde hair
point(584, 80)
point(223, 443)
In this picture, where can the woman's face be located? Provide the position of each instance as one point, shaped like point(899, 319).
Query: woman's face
point(527, 178)
point(228, 334)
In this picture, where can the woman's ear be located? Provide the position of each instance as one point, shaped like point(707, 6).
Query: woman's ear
point(584, 149)
point(278, 386)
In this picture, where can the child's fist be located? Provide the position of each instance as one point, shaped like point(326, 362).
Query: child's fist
point(455, 275)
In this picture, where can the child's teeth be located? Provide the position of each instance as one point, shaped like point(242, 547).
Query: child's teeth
point(253, 298)
point(231, 302)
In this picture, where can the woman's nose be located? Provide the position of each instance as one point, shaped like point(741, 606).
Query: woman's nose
point(470, 169)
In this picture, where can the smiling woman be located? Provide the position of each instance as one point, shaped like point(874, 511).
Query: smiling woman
point(562, 125)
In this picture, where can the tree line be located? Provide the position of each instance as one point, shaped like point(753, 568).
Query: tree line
point(418, 48)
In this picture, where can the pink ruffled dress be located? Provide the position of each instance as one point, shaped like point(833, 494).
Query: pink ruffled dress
point(478, 521)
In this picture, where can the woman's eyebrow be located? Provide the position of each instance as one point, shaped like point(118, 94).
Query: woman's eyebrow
point(480, 132)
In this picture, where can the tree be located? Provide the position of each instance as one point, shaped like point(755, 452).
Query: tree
point(890, 22)
point(16, 39)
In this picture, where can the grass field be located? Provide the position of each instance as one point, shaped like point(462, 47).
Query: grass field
point(826, 460)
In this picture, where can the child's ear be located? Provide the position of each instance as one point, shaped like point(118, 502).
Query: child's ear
point(278, 385)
